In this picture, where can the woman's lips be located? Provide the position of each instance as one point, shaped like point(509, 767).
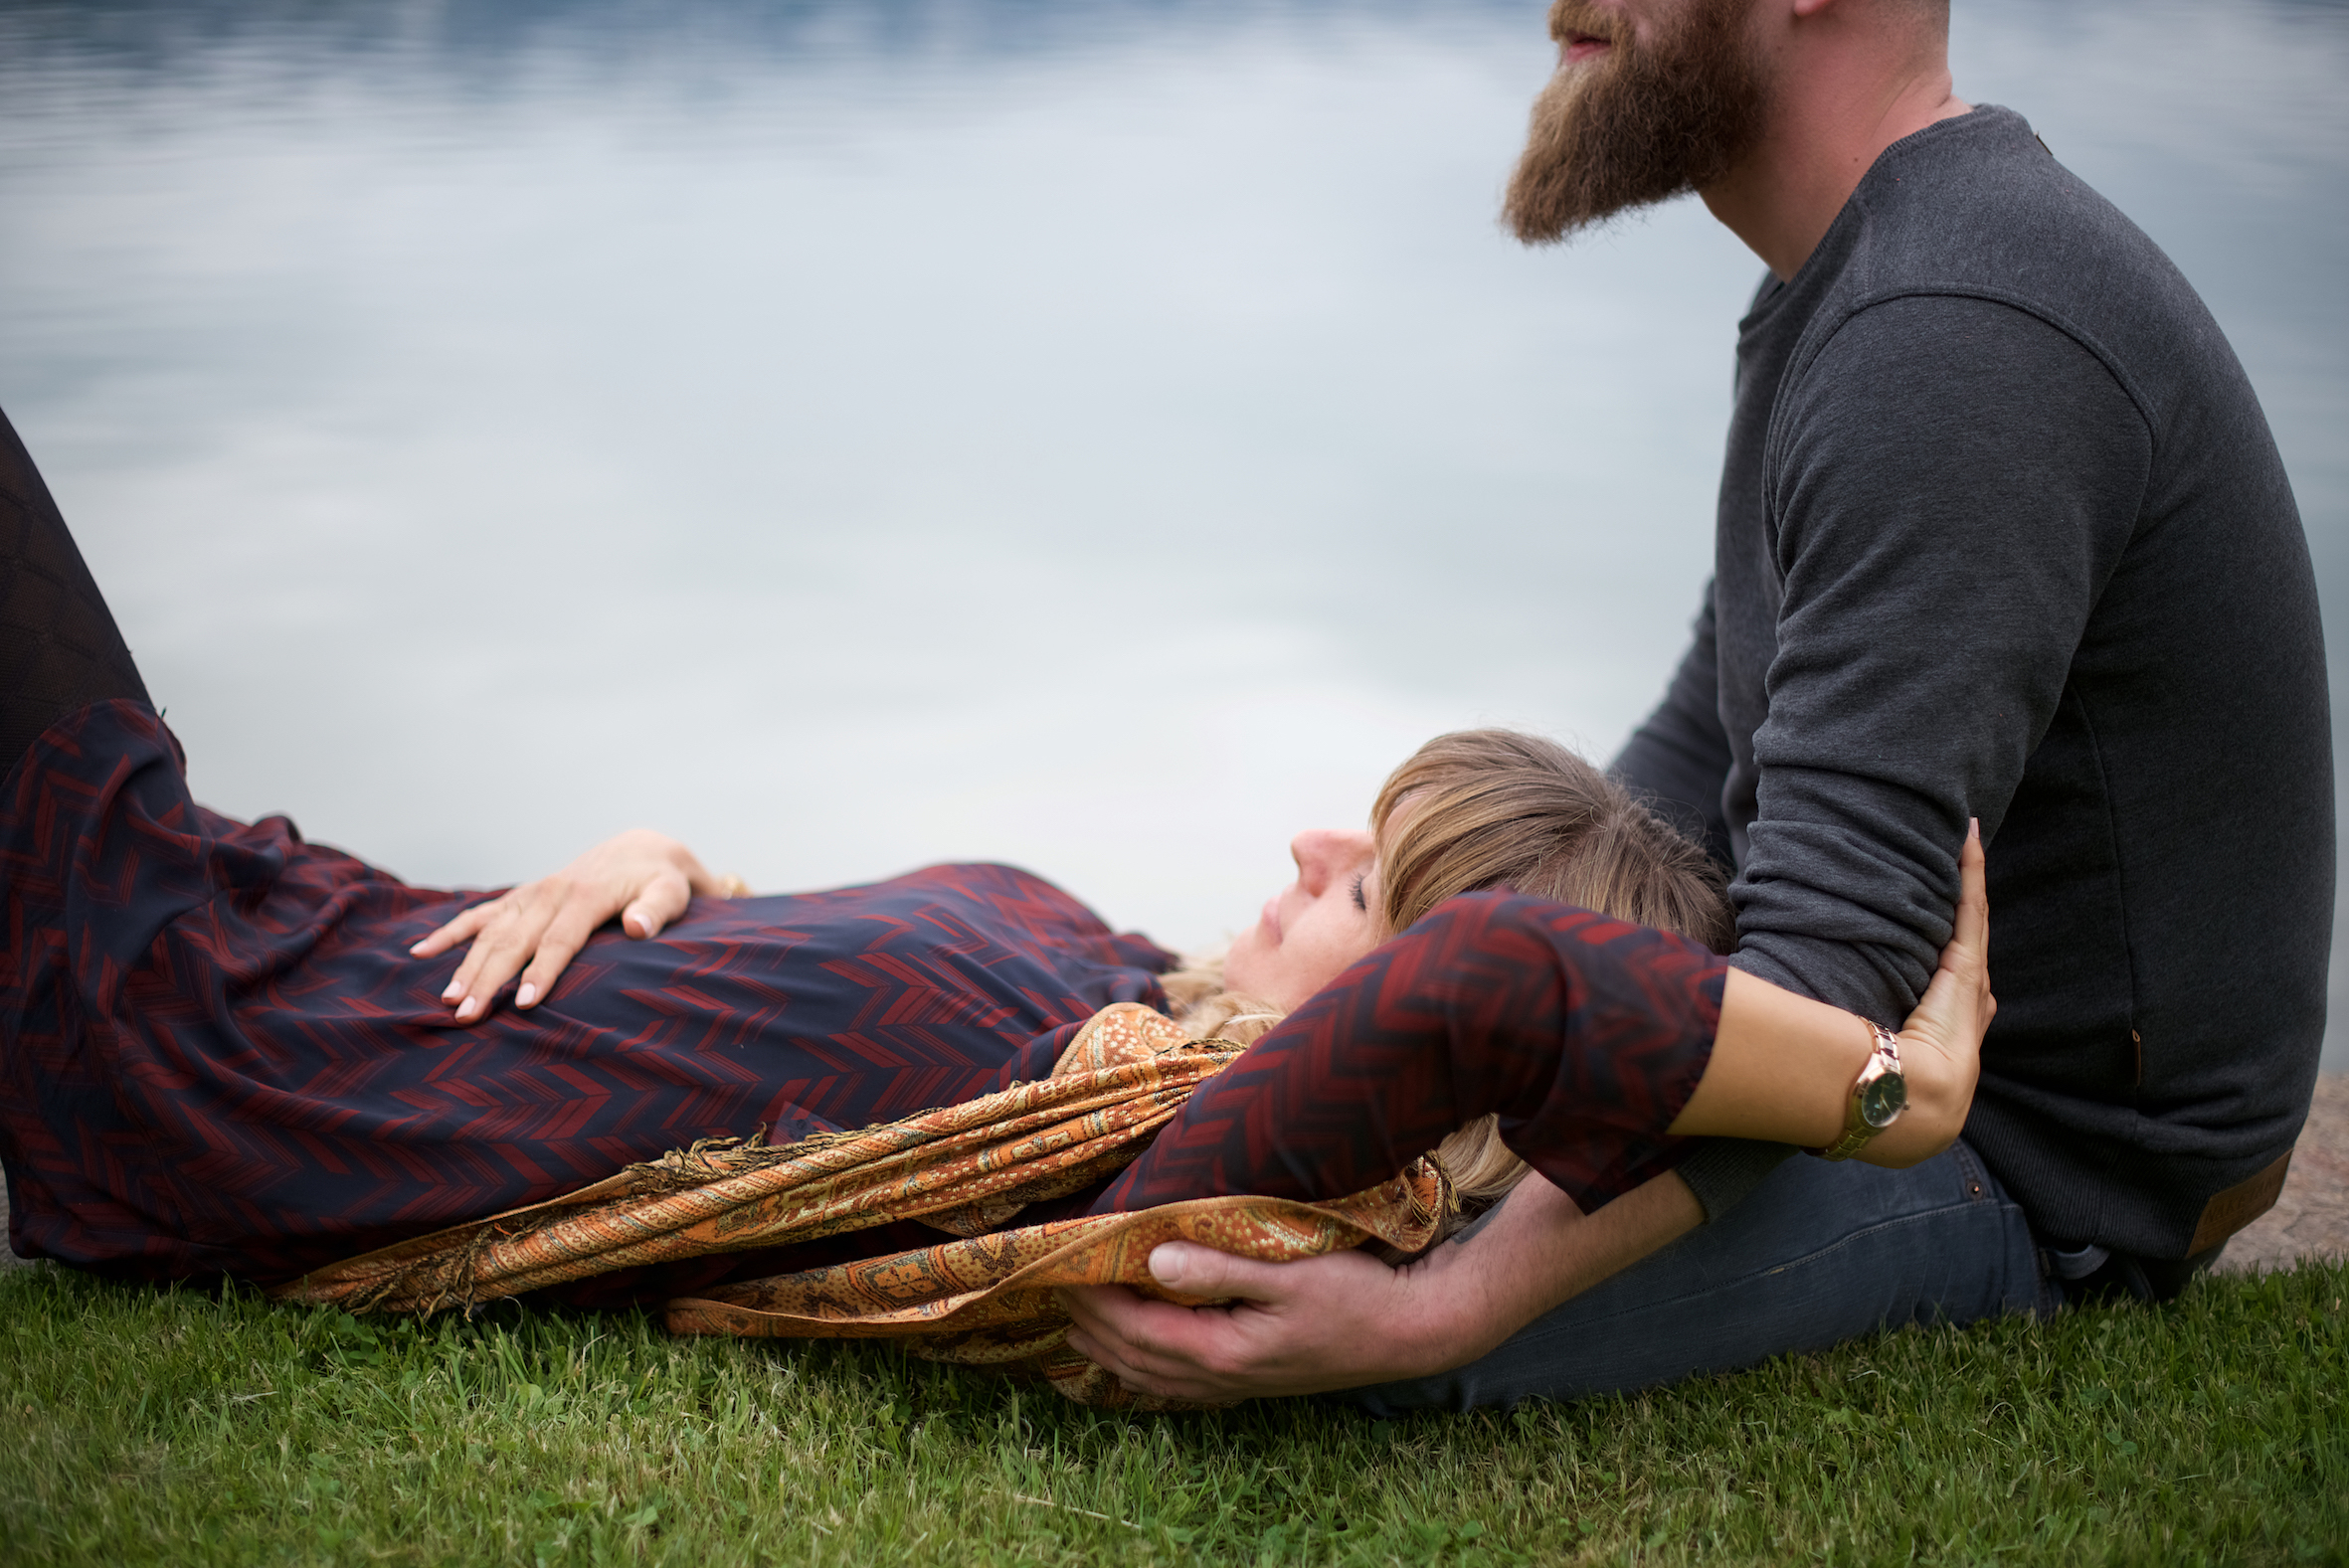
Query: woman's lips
point(1271, 917)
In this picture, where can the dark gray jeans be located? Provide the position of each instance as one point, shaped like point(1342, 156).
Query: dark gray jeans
point(1818, 1253)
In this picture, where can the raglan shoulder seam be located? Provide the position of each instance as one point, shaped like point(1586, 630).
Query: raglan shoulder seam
point(1824, 329)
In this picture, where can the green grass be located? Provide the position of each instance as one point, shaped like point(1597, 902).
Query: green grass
point(144, 1426)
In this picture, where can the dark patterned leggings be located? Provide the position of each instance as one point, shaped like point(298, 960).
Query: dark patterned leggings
point(1585, 1034)
point(59, 647)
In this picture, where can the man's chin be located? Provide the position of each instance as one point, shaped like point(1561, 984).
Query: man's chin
point(1553, 229)
point(1630, 126)
point(1561, 208)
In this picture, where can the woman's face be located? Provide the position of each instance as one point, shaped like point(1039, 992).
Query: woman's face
point(1316, 925)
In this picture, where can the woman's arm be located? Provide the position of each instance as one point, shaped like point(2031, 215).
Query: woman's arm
point(644, 878)
point(1783, 1065)
point(1599, 1044)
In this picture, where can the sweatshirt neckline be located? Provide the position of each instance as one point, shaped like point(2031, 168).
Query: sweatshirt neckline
point(1827, 257)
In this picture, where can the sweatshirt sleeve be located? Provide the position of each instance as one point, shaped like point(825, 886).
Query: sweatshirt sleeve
point(1950, 481)
point(1678, 763)
point(1679, 760)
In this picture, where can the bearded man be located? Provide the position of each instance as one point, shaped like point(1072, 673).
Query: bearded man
point(2002, 534)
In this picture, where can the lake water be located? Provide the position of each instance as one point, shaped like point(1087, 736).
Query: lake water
point(1103, 434)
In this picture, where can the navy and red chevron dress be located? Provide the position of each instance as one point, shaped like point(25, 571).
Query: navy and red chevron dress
point(219, 1058)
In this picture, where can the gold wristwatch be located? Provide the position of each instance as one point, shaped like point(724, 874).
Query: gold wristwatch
point(1878, 1095)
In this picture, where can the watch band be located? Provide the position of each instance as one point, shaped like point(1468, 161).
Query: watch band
point(1882, 1063)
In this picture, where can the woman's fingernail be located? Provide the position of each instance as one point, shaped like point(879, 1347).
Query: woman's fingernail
point(526, 995)
point(416, 947)
point(470, 1007)
point(455, 991)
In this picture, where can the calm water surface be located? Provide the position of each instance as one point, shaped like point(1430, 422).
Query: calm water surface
point(1101, 436)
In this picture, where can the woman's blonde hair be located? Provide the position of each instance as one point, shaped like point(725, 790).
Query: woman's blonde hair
point(1481, 810)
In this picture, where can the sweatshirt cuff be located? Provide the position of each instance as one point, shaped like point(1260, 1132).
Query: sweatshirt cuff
point(1723, 1170)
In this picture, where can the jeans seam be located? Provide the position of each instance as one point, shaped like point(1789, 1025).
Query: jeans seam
point(1974, 1176)
point(1839, 1244)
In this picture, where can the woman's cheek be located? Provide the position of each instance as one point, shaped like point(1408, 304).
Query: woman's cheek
point(1241, 964)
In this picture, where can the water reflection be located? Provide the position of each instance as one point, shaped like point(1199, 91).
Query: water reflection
point(1100, 435)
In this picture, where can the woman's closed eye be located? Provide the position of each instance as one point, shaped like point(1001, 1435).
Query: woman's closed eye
point(1359, 901)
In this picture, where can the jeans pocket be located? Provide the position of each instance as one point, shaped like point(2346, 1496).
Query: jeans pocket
point(1973, 1178)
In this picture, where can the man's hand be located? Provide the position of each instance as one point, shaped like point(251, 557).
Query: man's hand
point(644, 878)
point(1334, 1322)
point(1346, 1319)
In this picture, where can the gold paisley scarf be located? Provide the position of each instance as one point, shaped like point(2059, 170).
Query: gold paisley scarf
point(985, 1300)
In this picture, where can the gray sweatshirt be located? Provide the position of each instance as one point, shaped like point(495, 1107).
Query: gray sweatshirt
point(2003, 534)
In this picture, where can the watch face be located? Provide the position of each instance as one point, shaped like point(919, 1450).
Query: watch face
point(1882, 1099)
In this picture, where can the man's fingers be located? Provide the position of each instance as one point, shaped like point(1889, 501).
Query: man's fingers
point(1103, 1353)
point(1085, 1304)
point(1106, 1313)
point(1202, 1352)
point(1202, 1270)
point(1100, 1327)
point(1143, 1343)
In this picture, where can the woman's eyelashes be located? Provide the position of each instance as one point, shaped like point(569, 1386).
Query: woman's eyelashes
point(1359, 901)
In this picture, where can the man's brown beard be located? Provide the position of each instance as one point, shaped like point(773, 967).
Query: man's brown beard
point(1644, 124)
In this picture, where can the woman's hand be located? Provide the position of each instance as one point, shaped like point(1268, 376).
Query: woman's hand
point(1941, 1041)
point(644, 878)
point(1782, 1065)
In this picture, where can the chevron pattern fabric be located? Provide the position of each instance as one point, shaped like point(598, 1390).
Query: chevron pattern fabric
point(219, 1058)
point(1585, 1034)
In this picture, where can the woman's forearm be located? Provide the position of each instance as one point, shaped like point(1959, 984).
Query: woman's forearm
point(1782, 1067)
point(1597, 1044)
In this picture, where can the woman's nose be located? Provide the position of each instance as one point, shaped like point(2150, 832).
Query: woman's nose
point(1323, 854)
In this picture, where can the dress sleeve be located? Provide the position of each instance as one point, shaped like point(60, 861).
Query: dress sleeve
point(1583, 1033)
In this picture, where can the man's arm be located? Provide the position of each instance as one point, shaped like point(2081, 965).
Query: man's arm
point(1679, 760)
point(1956, 482)
point(1346, 1319)
point(1678, 763)
point(1952, 482)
